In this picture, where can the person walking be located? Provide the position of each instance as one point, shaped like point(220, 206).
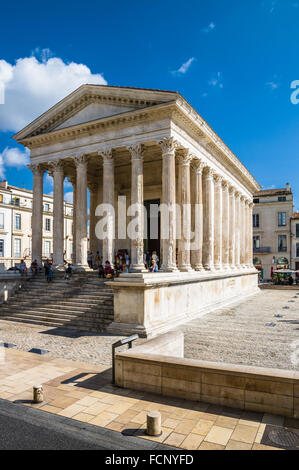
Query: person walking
point(89, 259)
point(68, 272)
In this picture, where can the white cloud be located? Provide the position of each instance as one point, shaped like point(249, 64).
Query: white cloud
point(273, 84)
point(32, 85)
point(210, 28)
point(68, 197)
point(216, 80)
point(184, 67)
point(13, 157)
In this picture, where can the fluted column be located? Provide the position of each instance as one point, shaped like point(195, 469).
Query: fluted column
point(81, 210)
point(242, 232)
point(93, 241)
point(37, 213)
point(250, 231)
point(168, 214)
point(108, 200)
point(225, 225)
point(72, 180)
point(185, 205)
point(58, 211)
point(208, 217)
point(238, 230)
point(197, 214)
point(217, 222)
point(232, 228)
point(137, 250)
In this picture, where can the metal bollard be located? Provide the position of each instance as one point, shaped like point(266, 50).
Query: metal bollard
point(153, 423)
point(38, 394)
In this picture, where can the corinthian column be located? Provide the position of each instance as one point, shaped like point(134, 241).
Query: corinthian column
point(225, 225)
point(250, 232)
point(238, 230)
point(93, 242)
point(108, 200)
point(37, 213)
point(218, 222)
point(197, 215)
point(58, 212)
point(81, 210)
point(208, 216)
point(137, 264)
point(232, 227)
point(168, 213)
point(72, 180)
point(185, 205)
point(242, 232)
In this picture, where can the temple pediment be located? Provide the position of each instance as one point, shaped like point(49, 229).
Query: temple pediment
point(92, 102)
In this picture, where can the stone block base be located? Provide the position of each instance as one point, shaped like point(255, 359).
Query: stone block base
point(153, 303)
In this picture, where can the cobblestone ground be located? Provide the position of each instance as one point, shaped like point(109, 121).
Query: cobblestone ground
point(240, 335)
point(63, 343)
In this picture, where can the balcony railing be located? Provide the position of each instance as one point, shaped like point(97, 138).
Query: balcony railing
point(262, 249)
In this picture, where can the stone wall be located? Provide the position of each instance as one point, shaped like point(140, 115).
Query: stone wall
point(148, 368)
point(153, 303)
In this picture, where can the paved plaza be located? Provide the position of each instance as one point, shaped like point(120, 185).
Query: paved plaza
point(262, 331)
point(84, 393)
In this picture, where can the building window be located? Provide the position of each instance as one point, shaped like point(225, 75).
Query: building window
point(18, 222)
point(1, 220)
point(256, 220)
point(282, 198)
point(256, 201)
point(47, 207)
point(297, 250)
point(256, 242)
point(47, 248)
point(282, 243)
point(15, 201)
point(282, 219)
point(1, 248)
point(48, 225)
point(297, 230)
point(17, 248)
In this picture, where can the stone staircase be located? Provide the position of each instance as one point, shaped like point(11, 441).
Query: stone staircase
point(82, 303)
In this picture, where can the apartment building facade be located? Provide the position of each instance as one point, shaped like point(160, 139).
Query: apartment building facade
point(16, 229)
point(273, 245)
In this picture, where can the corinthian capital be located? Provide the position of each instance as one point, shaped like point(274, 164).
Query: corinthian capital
point(56, 165)
point(168, 145)
point(36, 169)
point(136, 151)
point(107, 155)
point(80, 161)
point(218, 179)
point(198, 166)
point(208, 172)
point(184, 157)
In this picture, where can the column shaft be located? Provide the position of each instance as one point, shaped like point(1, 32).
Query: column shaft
point(232, 228)
point(73, 181)
point(93, 241)
point(137, 264)
point(37, 213)
point(250, 230)
point(197, 216)
point(168, 213)
point(225, 225)
point(208, 216)
point(242, 233)
point(185, 206)
point(58, 212)
point(218, 222)
point(238, 230)
point(81, 210)
point(108, 200)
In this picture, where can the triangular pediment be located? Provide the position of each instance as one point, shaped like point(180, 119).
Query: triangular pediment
point(92, 102)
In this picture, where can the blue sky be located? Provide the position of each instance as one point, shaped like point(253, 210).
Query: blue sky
point(233, 60)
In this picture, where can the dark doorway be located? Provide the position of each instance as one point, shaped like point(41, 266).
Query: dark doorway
point(152, 244)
